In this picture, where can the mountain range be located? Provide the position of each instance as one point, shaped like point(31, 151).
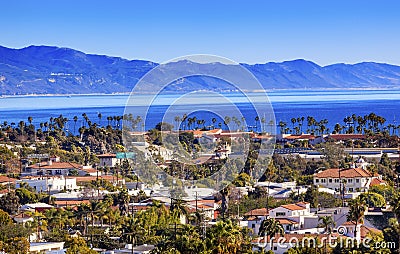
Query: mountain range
point(55, 70)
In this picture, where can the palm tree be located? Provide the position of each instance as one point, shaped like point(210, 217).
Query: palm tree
point(226, 238)
point(256, 120)
point(94, 208)
point(356, 213)
point(99, 115)
point(327, 223)
point(271, 227)
point(178, 207)
point(213, 120)
point(75, 120)
point(177, 119)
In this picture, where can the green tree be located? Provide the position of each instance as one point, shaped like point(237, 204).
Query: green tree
point(372, 199)
point(10, 203)
point(77, 245)
point(271, 227)
point(327, 223)
point(356, 212)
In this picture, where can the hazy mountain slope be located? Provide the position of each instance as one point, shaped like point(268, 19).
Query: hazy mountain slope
point(51, 70)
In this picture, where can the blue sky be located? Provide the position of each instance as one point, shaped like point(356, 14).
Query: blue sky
point(325, 32)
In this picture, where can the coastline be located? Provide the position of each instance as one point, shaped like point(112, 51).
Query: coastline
point(222, 92)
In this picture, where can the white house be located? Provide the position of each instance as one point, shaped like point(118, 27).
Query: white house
point(107, 160)
point(351, 179)
point(254, 219)
point(49, 184)
point(296, 215)
point(52, 168)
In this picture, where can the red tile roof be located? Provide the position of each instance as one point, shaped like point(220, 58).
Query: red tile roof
point(70, 202)
point(107, 155)
point(304, 136)
point(6, 179)
point(364, 230)
point(56, 165)
point(346, 173)
point(287, 221)
point(257, 212)
point(90, 178)
point(293, 207)
point(346, 136)
point(377, 181)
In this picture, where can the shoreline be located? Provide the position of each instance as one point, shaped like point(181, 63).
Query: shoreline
point(227, 92)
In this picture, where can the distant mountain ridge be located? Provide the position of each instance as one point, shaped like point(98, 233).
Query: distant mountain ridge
point(54, 70)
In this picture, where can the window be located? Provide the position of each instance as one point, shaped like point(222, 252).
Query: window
point(280, 214)
point(330, 180)
point(357, 180)
point(350, 180)
point(351, 189)
point(336, 180)
point(253, 225)
point(317, 180)
point(323, 180)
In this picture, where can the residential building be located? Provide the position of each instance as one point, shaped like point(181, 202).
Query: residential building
point(46, 247)
point(350, 180)
point(295, 216)
point(52, 168)
point(36, 207)
point(5, 180)
point(49, 184)
point(107, 160)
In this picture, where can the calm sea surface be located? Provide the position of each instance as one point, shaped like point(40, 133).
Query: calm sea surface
point(331, 105)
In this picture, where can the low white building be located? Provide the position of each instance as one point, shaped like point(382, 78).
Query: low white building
point(49, 184)
point(46, 247)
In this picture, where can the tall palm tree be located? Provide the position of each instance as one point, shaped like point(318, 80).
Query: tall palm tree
point(177, 119)
point(75, 120)
point(178, 207)
point(327, 223)
point(213, 120)
point(356, 213)
point(94, 208)
point(271, 227)
point(225, 238)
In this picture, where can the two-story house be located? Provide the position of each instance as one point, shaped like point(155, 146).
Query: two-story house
point(292, 216)
point(350, 180)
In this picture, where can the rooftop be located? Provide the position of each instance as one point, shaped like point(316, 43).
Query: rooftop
point(347, 173)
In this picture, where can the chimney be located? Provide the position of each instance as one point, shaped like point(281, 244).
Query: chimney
point(49, 162)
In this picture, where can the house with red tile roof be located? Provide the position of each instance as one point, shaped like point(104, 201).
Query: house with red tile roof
point(107, 160)
point(362, 230)
point(350, 179)
point(344, 137)
point(4, 180)
point(295, 216)
point(52, 168)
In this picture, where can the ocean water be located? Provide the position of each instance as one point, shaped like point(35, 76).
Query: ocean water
point(331, 105)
